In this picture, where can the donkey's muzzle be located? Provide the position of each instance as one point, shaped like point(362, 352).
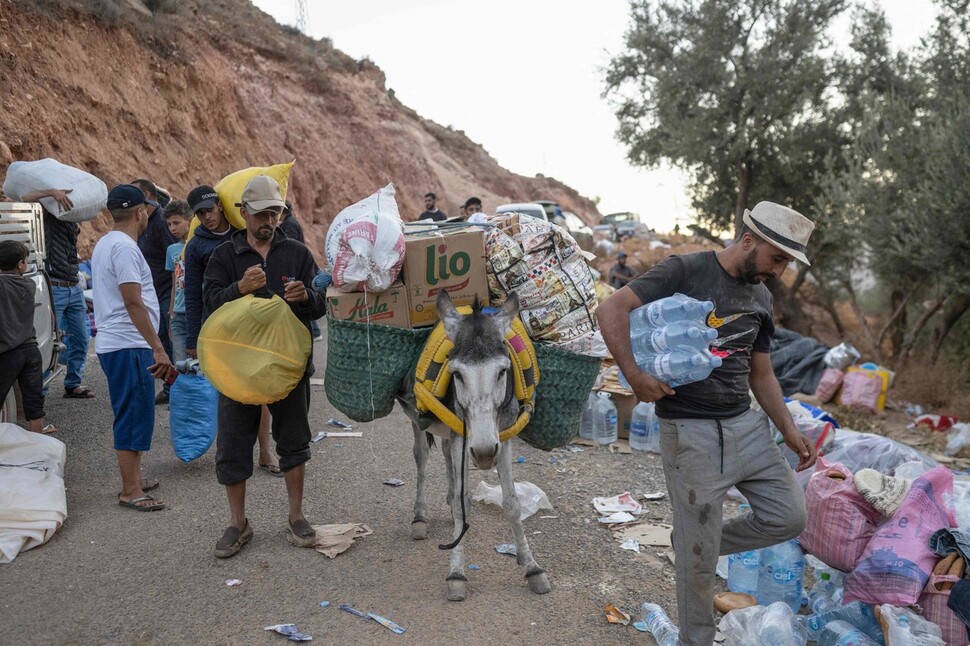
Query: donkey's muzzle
point(484, 458)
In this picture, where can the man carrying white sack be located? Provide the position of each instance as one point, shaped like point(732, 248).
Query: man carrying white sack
point(262, 261)
point(710, 437)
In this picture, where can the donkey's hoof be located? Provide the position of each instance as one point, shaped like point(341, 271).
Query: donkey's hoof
point(419, 530)
point(456, 590)
point(539, 583)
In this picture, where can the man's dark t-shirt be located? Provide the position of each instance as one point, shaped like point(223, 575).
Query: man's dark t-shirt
point(437, 215)
point(620, 270)
point(742, 318)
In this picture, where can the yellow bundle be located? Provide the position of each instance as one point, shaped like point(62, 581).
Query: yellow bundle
point(230, 189)
point(254, 350)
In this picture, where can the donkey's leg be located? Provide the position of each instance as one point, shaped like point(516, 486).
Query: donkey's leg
point(419, 525)
point(446, 452)
point(536, 576)
point(456, 568)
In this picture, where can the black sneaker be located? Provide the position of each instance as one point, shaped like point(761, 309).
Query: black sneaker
point(161, 397)
point(233, 540)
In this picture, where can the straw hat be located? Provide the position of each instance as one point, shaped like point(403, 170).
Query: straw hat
point(783, 227)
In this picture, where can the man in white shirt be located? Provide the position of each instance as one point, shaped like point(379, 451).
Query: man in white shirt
point(127, 344)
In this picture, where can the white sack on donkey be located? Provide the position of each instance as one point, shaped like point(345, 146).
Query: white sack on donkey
point(365, 244)
point(88, 193)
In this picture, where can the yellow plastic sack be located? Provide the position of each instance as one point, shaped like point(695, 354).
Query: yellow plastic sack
point(254, 350)
point(230, 189)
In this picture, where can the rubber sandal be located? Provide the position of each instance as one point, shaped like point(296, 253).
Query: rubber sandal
point(272, 469)
point(148, 485)
point(133, 503)
point(48, 429)
point(79, 392)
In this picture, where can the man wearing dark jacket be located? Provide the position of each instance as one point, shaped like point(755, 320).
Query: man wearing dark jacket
point(262, 261)
point(61, 264)
point(154, 244)
point(294, 231)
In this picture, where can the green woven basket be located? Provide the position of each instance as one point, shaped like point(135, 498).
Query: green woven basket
point(366, 365)
point(565, 381)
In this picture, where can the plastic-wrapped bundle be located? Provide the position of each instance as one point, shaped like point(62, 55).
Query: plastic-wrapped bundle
point(365, 244)
point(88, 193)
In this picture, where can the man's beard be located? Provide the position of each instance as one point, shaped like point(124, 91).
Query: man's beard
point(749, 269)
point(263, 233)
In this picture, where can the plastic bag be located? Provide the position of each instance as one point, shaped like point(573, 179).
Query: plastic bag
point(531, 497)
point(840, 521)
point(868, 451)
point(841, 356)
point(897, 562)
point(958, 438)
point(254, 350)
point(903, 627)
point(193, 414)
point(88, 193)
point(758, 625)
point(365, 244)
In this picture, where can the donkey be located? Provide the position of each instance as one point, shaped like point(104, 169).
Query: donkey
point(482, 395)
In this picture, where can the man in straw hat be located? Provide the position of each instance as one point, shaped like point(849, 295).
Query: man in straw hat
point(261, 260)
point(710, 437)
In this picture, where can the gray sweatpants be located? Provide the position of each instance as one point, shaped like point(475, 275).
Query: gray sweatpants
point(702, 459)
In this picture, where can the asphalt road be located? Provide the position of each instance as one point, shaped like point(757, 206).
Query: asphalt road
point(117, 576)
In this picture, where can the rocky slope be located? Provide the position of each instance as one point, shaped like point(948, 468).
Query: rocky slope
point(188, 95)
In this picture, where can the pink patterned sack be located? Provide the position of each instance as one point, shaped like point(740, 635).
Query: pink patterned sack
point(861, 388)
point(829, 384)
point(933, 603)
point(898, 562)
point(840, 521)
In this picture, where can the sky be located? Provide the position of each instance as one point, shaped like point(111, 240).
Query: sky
point(524, 78)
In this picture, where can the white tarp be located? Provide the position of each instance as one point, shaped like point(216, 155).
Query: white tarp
point(33, 502)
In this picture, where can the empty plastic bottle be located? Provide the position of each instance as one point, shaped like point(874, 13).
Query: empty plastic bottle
point(842, 633)
point(604, 420)
point(644, 428)
point(660, 626)
point(667, 310)
point(744, 568)
point(855, 614)
point(586, 422)
point(822, 597)
point(780, 576)
point(668, 337)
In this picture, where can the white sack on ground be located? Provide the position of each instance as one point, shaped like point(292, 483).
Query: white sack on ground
point(33, 502)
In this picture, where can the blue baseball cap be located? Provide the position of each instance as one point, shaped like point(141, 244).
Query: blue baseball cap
point(125, 196)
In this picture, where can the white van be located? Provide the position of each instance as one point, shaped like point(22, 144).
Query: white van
point(532, 209)
point(25, 222)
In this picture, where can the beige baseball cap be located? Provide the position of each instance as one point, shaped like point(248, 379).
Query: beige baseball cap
point(262, 194)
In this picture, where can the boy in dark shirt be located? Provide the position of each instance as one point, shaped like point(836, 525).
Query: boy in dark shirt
point(20, 358)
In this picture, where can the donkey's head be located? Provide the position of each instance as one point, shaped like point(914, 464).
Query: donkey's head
point(484, 391)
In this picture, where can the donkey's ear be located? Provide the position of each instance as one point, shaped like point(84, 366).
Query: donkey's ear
point(447, 313)
point(505, 316)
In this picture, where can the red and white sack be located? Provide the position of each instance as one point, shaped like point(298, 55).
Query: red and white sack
point(840, 521)
point(88, 193)
point(829, 384)
point(365, 244)
point(933, 607)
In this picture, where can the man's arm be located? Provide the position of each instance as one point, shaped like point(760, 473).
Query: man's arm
point(613, 316)
point(60, 196)
point(193, 297)
point(767, 391)
point(131, 294)
point(218, 284)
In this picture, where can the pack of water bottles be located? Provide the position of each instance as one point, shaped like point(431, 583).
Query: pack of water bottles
point(671, 340)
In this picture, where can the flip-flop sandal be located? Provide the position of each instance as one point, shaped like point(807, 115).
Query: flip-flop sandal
point(48, 429)
point(148, 485)
point(272, 469)
point(133, 503)
point(80, 392)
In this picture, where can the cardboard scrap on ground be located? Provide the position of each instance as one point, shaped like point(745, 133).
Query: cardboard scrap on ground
point(645, 533)
point(616, 616)
point(336, 539)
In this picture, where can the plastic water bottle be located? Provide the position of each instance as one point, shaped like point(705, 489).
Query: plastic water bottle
point(665, 339)
point(644, 428)
point(586, 422)
point(660, 626)
point(667, 310)
point(780, 575)
point(856, 614)
point(821, 598)
point(842, 633)
point(682, 365)
point(743, 571)
point(604, 420)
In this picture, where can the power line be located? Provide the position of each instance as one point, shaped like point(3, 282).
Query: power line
point(301, 16)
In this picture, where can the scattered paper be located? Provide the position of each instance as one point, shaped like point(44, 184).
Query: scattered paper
point(387, 623)
point(472, 566)
point(582, 441)
point(646, 534)
point(290, 632)
point(316, 381)
point(394, 482)
point(641, 626)
point(656, 495)
point(616, 616)
point(548, 517)
point(337, 539)
point(325, 434)
point(507, 548)
point(621, 446)
point(572, 448)
point(631, 544)
point(617, 517)
point(620, 502)
point(333, 421)
point(324, 604)
point(232, 583)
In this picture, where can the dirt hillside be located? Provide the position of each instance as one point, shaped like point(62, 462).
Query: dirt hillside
point(200, 89)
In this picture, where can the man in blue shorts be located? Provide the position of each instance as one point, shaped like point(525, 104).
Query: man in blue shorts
point(128, 347)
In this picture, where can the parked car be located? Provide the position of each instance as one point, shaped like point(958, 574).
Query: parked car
point(532, 209)
point(579, 230)
point(604, 232)
point(632, 229)
point(554, 212)
point(25, 222)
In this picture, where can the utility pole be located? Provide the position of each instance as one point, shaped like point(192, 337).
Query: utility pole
point(301, 17)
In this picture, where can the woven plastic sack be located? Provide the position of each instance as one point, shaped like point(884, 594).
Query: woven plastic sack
point(933, 605)
point(897, 562)
point(88, 193)
point(840, 521)
point(193, 413)
point(365, 244)
point(254, 350)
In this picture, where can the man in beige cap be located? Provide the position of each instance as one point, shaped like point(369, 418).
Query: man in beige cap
point(710, 437)
point(262, 261)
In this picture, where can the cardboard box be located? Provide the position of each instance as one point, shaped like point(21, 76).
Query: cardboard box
point(385, 308)
point(450, 260)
